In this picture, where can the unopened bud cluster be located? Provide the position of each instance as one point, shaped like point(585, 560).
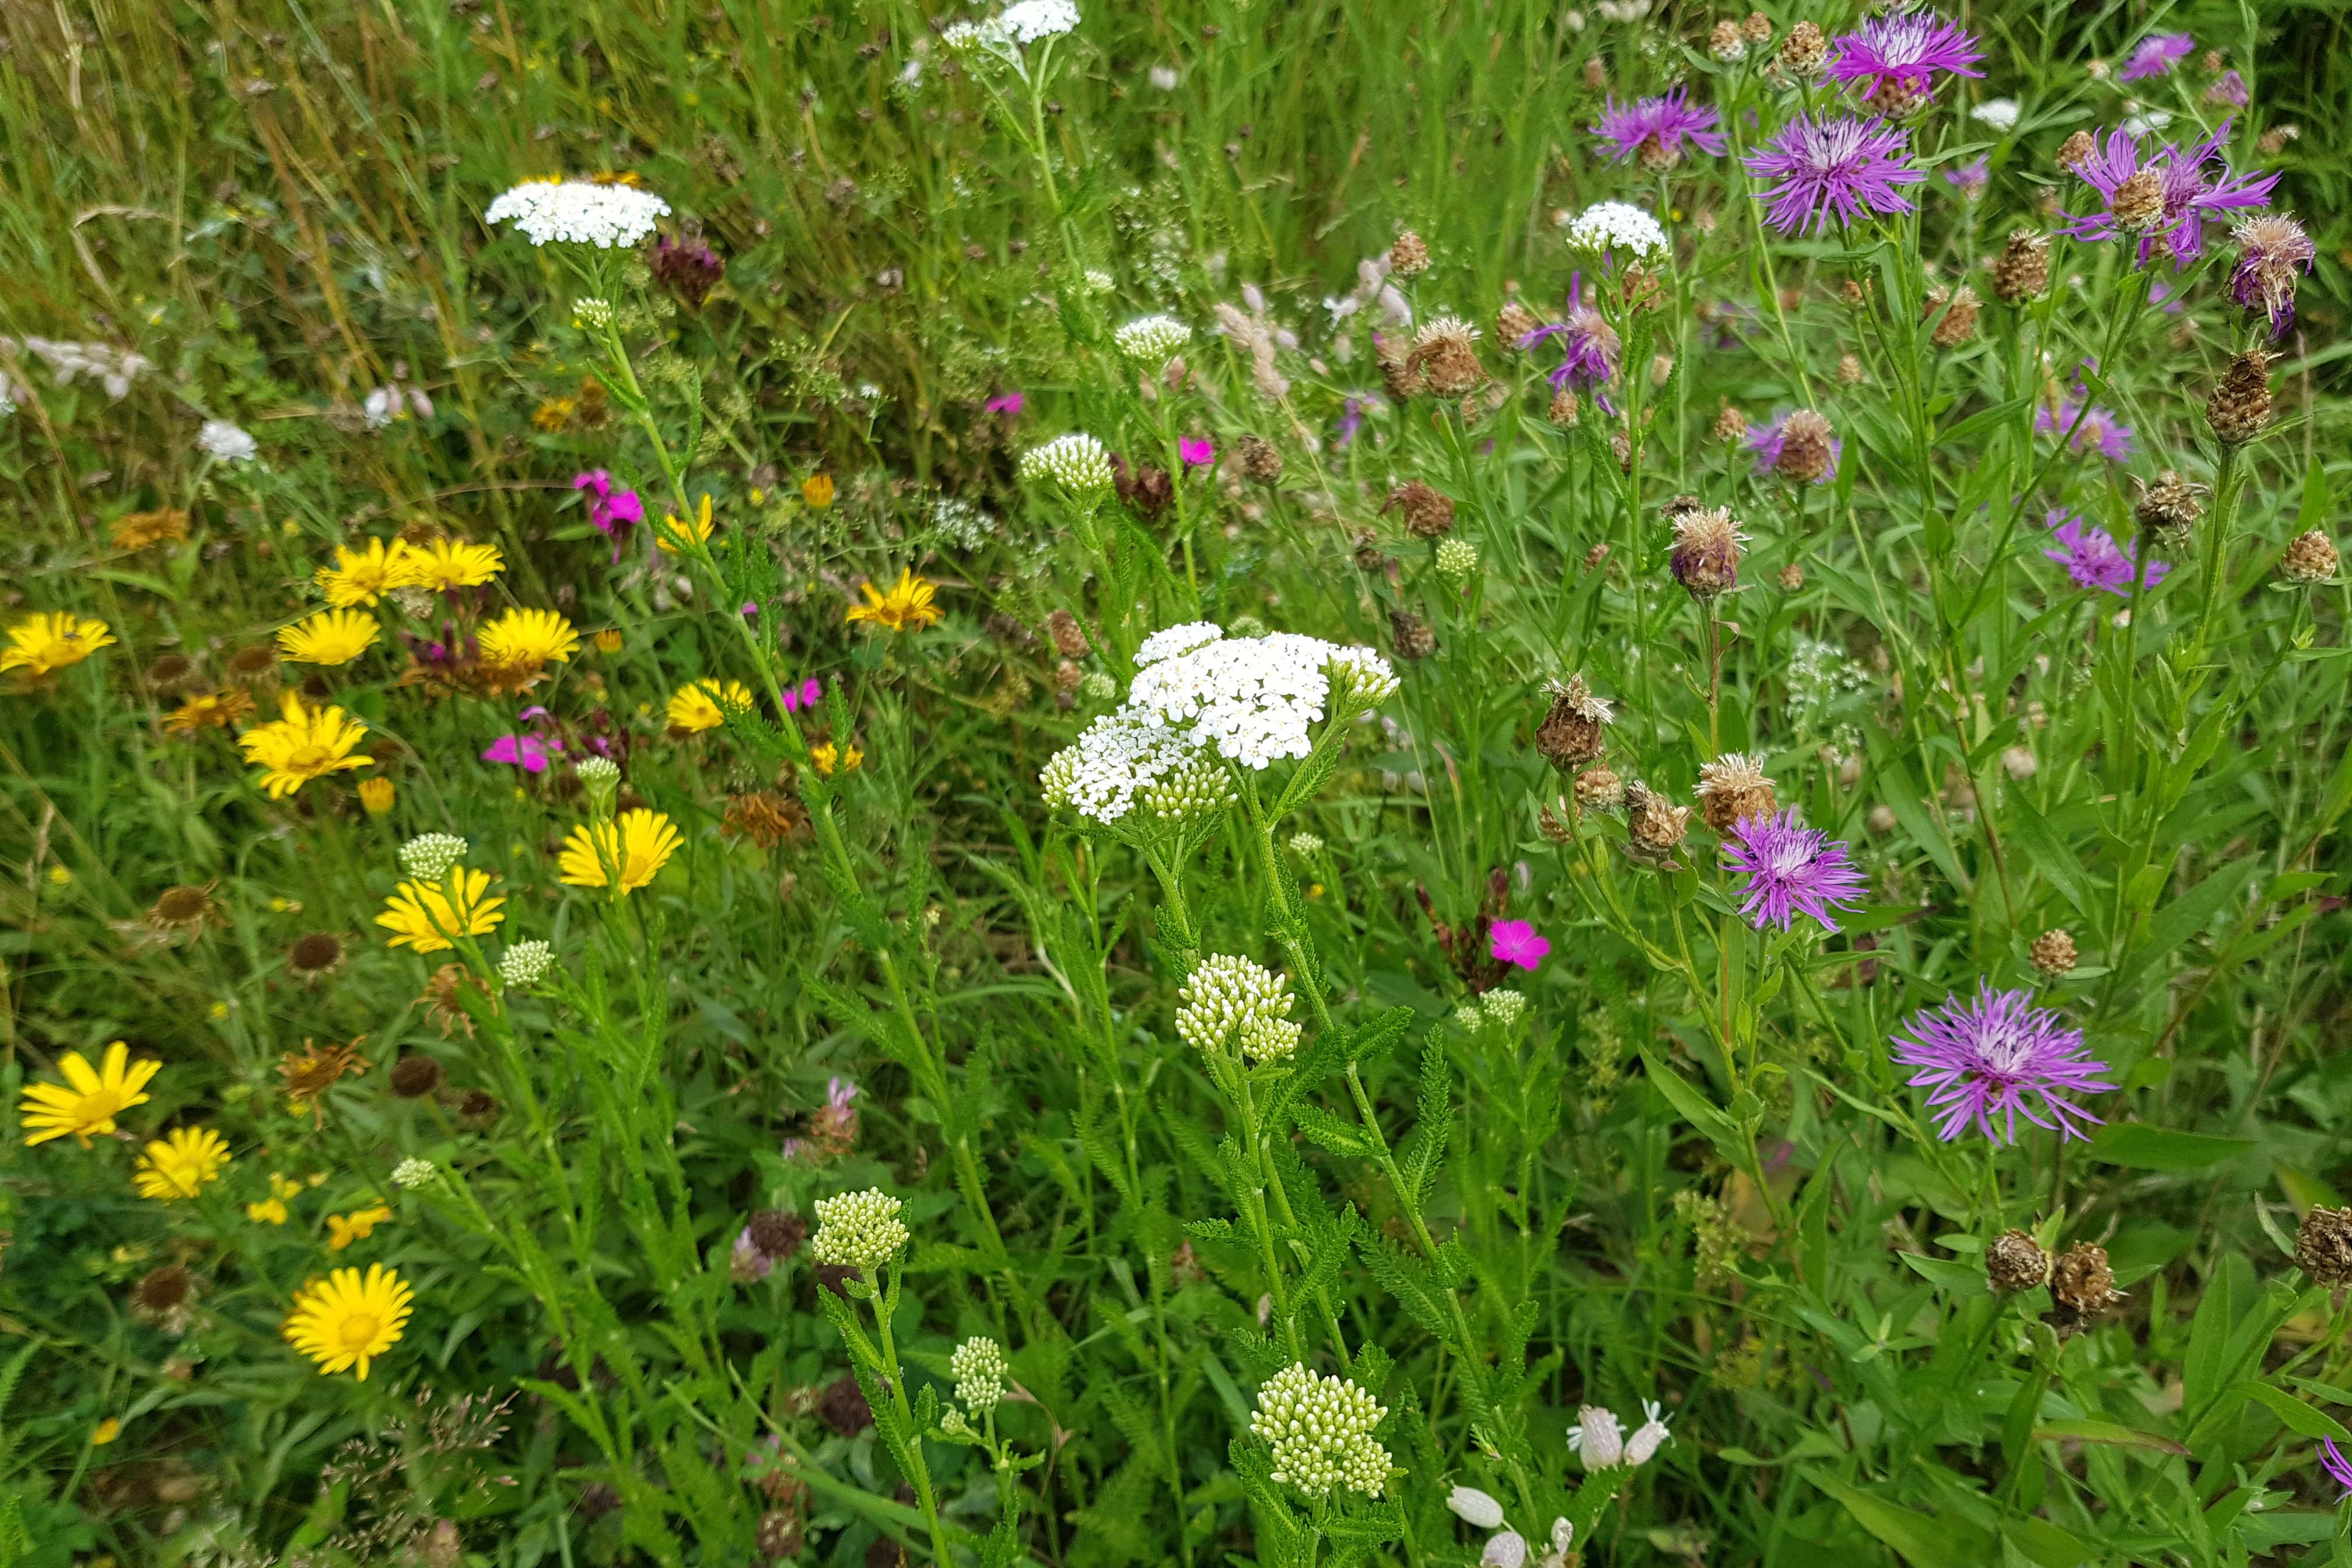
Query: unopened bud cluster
point(858, 1230)
point(428, 856)
point(525, 963)
point(978, 1368)
point(1320, 1430)
point(1152, 340)
point(1076, 462)
point(1229, 998)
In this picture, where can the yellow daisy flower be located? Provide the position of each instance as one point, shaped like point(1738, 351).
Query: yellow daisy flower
point(907, 606)
point(344, 1229)
point(704, 704)
point(824, 756)
point(817, 491)
point(330, 637)
point(146, 530)
point(527, 638)
point(447, 565)
point(426, 917)
point(47, 643)
point(676, 533)
point(637, 847)
point(180, 1164)
point(307, 743)
point(87, 1103)
point(211, 711)
point(362, 576)
point(345, 1320)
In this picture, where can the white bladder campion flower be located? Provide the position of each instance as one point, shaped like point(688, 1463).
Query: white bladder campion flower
point(225, 442)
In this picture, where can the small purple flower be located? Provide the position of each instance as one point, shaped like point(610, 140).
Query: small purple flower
point(1008, 404)
point(612, 511)
point(1655, 129)
point(1196, 454)
point(1838, 165)
point(1997, 1059)
point(1590, 344)
point(1970, 179)
point(747, 1264)
point(2093, 559)
point(686, 268)
point(1352, 419)
point(1766, 440)
point(529, 753)
point(2272, 248)
point(1518, 943)
point(2338, 1467)
point(2228, 89)
point(1898, 56)
point(2165, 198)
point(2156, 55)
point(1792, 869)
point(2099, 430)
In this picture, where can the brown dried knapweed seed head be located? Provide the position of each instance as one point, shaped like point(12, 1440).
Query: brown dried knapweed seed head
point(776, 1234)
point(1733, 788)
point(2311, 558)
point(415, 1076)
point(1573, 731)
point(2053, 952)
point(2022, 272)
point(2169, 507)
point(2240, 408)
point(1400, 377)
point(1408, 256)
point(1953, 311)
point(843, 1405)
point(1445, 354)
point(1655, 823)
point(2076, 150)
point(1513, 321)
point(1707, 548)
point(2323, 1247)
point(1410, 636)
point(1427, 513)
point(1790, 577)
point(1599, 789)
point(1070, 637)
point(1366, 553)
point(1565, 411)
point(1730, 424)
point(1261, 459)
point(2015, 1262)
point(2084, 1286)
point(1803, 52)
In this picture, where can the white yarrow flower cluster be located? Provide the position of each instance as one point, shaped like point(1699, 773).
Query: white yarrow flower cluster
point(226, 443)
point(1617, 225)
point(1600, 1440)
point(1152, 340)
point(428, 856)
point(577, 212)
point(1999, 113)
point(858, 1230)
point(1252, 698)
point(1028, 21)
point(1113, 763)
point(979, 1371)
point(1320, 1430)
point(413, 1174)
point(1228, 997)
point(1076, 462)
point(525, 965)
point(597, 773)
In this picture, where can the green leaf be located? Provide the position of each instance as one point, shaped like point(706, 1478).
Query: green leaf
point(2141, 1147)
point(2303, 1420)
point(1688, 1103)
point(2105, 1432)
point(1922, 1540)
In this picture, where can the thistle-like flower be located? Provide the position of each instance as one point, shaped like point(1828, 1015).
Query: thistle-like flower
point(1996, 1058)
point(1320, 1432)
point(1792, 869)
point(1895, 58)
point(1707, 553)
point(1837, 164)
point(1652, 131)
point(2272, 250)
point(1733, 788)
point(1799, 445)
point(1572, 731)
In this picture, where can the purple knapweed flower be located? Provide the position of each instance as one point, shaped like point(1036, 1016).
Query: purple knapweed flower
point(2098, 430)
point(1838, 164)
point(2338, 1467)
point(2093, 559)
point(1997, 1059)
point(1196, 454)
point(2272, 249)
point(1970, 179)
point(1766, 440)
point(2156, 55)
point(1518, 943)
point(686, 268)
point(1588, 341)
point(747, 1264)
point(1896, 58)
point(1792, 869)
point(2166, 198)
point(1352, 419)
point(2228, 89)
point(1652, 130)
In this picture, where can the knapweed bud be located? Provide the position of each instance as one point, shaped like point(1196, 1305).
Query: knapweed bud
point(1731, 789)
point(415, 1076)
point(1757, 29)
point(2311, 558)
point(1803, 52)
point(2084, 1285)
point(2139, 202)
point(1654, 824)
point(1807, 449)
point(1400, 377)
point(1410, 636)
point(2240, 408)
point(1706, 551)
point(1261, 460)
point(1599, 789)
point(2022, 272)
point(1408, 256)
point(2169, 507)
point(1726, 43)
point(1427, 513)
point(858, 1230)
point(1572, 732)
point(2323, 1247)
point(1070, 637)
point(2076, 151)
point(1447, 358)
point(2015, 1262)
point(1954, 311)
point(2053, 952)
point(1564, 410)
point(1790, 577)
point(1730, 425)
point(1513, 321)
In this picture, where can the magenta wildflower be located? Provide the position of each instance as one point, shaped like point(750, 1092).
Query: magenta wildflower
point(1839, 165)
point(833, 1129)
point(1767, 439)
point(1589, 343)
point(686, 268)
point(1897, 57)
point(2099, 430)
point(2192, 184)
point(1518, 943)
point(2156, 55)
point(1997, 1059)
point(1655, 129)
point(529, 753)
point(1352, 419)
point(1792, 869)
point(1007, 404)
point(613, 511)
point(2093, 559)
point(1196, 454)
point(2338, 1467)
point(807, 694)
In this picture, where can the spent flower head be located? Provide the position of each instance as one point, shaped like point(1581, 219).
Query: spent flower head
point(858, 1230)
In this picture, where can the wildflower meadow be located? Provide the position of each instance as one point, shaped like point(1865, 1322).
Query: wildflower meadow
point(1213, 783)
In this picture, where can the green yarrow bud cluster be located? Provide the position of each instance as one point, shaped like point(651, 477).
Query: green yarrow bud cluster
point(1456, 560)
point(1504, 1007)
point(1320, 1430)
point(1228, 998)
point(979, 1371)
point(525, 963)
point(1076, 462)
point(428, 856)
point(1152, 340)
point(858, 1230)
point(1190, 792)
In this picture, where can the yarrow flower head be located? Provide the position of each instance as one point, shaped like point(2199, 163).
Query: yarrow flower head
point(579, 212)
point(1896, 58)
point(2156, 55)
point(858, 1230)
point(2093, 558)
point(524, 964)
point(978, 1368)
point(1321, 1431)
point(1076, 462)
point(1252, 698)
point(428, 856)
point(1231, 998)
point(2166, 198)
point(1152, 340)
point(1996, 1058)
point(1120, 762)
point(1792, 869)
point(1617, 229)
point(1029, 21)
point(413, 1172)
point(1652, 131)
point(1837, 164)
point(1998, 114)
